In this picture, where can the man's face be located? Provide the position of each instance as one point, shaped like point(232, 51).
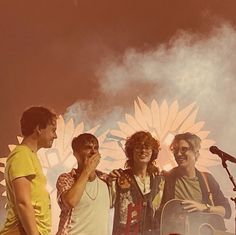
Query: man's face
point(86, 151)
point(48, 134)
point(142, 153)
point(184, 154)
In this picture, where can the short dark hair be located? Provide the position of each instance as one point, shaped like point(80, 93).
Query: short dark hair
point(83, 139)
point(35, 116)
point(193, 140)
point(136, 138)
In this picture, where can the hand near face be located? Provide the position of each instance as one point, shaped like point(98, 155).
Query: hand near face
point(91, 163)
point(191, 206)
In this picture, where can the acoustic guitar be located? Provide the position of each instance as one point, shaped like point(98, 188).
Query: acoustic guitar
point(176, 220)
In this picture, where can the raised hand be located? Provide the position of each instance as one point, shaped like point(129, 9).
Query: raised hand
point(115, 174)
point(91, 163)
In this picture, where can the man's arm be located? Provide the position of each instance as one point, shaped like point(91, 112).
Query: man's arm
point(192, 206)
point(22, 193)
point(218, 197)
point(72, 196)
point(113, 176)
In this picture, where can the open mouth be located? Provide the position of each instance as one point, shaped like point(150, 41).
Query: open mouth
point(181, 158)
point(142, 158)
point(143, 155)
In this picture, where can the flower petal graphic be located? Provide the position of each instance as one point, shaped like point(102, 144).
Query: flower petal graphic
point(181, 117)
point(163, 122)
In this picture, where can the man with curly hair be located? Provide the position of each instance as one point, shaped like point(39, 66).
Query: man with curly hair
point(137, 188)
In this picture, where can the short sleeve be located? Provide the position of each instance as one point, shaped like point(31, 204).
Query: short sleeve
point(64, 183)
point(21, 165)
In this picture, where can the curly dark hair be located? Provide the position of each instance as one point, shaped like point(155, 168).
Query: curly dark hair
point(136, 139)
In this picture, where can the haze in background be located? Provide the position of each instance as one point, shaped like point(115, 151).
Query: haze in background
point(190, 68)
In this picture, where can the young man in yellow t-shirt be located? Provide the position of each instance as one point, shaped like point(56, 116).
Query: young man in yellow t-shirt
point(28, 202)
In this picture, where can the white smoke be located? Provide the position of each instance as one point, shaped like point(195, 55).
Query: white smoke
point(190, 67)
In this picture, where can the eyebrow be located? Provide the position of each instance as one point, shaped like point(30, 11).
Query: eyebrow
point(91, 144)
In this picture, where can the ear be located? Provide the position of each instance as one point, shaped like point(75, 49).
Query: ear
point(37, 130)
point(76, 154)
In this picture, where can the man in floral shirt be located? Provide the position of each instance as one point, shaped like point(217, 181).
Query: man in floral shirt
point(83, 196)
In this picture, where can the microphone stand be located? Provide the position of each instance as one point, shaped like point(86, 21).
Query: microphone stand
point(234, 189)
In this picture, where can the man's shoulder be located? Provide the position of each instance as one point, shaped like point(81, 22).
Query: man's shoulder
point(102, 175)
point(67, 175)
point(170, 173)
point(207, 175)
point(18, 152)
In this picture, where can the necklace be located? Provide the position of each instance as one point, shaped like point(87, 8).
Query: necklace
point(144, 183)
point(97, 186)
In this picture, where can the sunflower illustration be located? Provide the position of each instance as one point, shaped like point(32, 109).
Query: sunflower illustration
point(164, 122)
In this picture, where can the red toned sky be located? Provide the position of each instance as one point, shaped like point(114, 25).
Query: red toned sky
point(51, 51)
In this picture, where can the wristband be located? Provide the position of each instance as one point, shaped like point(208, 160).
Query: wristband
point(208, 208)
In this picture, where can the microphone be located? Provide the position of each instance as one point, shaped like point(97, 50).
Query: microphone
point(224, 156)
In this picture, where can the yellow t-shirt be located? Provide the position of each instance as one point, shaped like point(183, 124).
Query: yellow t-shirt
point(22, 162)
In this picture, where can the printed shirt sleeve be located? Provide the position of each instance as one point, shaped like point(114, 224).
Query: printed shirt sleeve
point(21, 166)
point(64, 183)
